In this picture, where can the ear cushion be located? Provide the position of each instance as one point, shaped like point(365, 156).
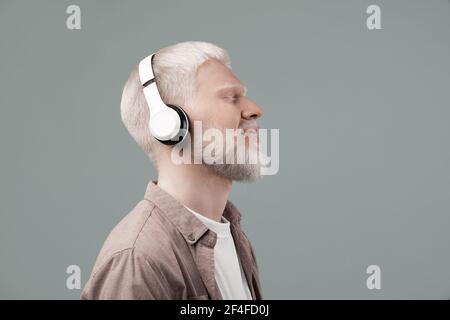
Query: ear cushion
point(184, 126)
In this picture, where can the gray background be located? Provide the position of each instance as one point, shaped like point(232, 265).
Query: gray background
point(364, 119)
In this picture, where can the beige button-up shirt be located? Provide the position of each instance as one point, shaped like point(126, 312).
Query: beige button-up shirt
point(160, 250)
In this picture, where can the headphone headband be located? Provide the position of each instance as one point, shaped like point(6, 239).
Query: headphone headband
point(148, 82)
point(146, 69)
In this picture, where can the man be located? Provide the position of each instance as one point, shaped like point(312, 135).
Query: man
point(184, 240)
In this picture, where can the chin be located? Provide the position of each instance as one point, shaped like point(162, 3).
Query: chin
point(237, 172)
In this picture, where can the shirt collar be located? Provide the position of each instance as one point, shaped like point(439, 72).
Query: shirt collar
point(221, 229)
point(190, 226)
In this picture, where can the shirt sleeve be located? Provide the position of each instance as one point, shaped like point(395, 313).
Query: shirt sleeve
point(127, 275)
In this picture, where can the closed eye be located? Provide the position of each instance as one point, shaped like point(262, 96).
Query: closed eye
point(232, 93)
point(234, 98)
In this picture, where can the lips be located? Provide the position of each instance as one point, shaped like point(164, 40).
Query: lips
point(251, 130)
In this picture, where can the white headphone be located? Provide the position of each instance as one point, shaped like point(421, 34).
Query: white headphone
point(168, 123)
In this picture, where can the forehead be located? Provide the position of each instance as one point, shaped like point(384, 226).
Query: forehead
point(213, 74)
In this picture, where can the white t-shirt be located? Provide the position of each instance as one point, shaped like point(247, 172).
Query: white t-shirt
point(227, 268)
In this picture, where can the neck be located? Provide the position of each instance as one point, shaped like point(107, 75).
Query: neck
point(196, 187)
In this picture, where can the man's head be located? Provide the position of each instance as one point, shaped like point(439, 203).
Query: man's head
point(196, 76)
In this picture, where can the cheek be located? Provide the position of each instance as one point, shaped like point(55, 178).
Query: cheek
point(217, 113)
point(226, 115)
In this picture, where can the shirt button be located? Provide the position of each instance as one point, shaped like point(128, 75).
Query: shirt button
point(191, 237)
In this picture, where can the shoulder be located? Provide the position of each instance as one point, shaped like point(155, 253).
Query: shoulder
point(136, 255)
point(143, 231)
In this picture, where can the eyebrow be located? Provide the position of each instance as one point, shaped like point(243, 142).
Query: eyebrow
point(231, 86)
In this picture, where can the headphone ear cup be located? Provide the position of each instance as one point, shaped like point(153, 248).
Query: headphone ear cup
point(184, 126)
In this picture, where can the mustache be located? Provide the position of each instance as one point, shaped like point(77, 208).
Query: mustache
point(248, 124)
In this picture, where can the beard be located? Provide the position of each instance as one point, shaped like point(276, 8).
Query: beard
point(236, 172)
point(241, 160)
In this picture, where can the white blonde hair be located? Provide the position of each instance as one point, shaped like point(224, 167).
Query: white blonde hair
point(175, 69)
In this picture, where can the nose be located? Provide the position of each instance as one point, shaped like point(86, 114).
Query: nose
point(251, 111)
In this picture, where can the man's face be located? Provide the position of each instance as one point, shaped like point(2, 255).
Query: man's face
point(220, 102)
